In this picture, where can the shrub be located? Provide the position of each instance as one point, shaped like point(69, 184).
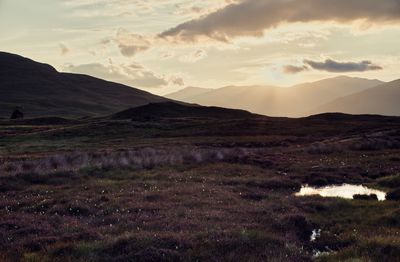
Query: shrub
point(11, 184)
point(365, 197)
point(323, 148)
point(17, 114)
point(57, 178)
point(33, 178)
point(391, 182)
point(318, 181)
point(276, 184)
point(392, 219)
point(375, 144)
point(143, 158)
point(393, 195)
point(300, 225)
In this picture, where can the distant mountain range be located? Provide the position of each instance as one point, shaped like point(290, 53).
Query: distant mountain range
point(328, 95)
point(189, 93)
point(383, 99)
point(42, 91)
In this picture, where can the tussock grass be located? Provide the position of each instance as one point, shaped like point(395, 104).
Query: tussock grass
point(145, 158)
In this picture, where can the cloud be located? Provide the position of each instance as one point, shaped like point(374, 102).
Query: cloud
point(131, 75)
point(291, 69)
point(176, 80)
point(106, 8)
point(194, 56)
point(167, 55)
point(133, 8)
point(183, 9)
point(303, 38)
point(130, 44)
point(252, 17)
point(197, 9)
point(330, 65)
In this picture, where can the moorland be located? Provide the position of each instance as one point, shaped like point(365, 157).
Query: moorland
point(171, 182)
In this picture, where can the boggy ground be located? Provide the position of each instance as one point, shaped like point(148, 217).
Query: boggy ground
point(197, 189)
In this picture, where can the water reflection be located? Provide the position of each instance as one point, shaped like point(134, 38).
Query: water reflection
point(316, 233)
point(344, 191)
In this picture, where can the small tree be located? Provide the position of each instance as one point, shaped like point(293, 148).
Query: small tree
point(17, 114)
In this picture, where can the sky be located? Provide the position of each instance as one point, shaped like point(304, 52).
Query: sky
point(162, 46)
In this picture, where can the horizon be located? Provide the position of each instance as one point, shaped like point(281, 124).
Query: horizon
point(289, 86)
point(163, 47)
point(227, 86)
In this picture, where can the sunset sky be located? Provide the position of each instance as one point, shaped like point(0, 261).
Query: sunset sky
point(164, 45)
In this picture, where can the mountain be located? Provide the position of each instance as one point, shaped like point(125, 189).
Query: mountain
point(277, 101)
point(188, 92)
point(323, 91)
point(42, 91)
point(175, 110)
point(383, 99)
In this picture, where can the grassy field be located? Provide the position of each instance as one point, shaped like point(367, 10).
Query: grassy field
point(191, 189)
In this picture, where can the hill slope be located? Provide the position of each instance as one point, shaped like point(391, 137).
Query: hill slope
point(276, 101)
point(383, 99)
point(42, 91)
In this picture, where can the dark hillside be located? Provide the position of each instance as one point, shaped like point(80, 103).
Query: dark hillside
point(42, 91)
point(175, 110)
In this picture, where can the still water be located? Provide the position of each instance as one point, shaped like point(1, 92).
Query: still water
point(344, 191)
